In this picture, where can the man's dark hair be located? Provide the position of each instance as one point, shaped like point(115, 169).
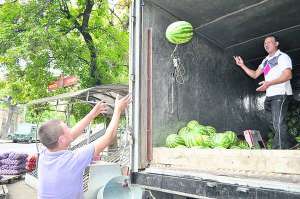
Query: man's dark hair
point(275, 37)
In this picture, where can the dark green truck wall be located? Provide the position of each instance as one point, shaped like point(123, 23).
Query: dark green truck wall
point(216, 92)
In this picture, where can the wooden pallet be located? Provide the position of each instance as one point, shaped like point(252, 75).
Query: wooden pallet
point(9, 179)
point(3, 192)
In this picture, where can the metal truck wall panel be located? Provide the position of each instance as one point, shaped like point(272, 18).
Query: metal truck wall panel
point(215, 92)
point(209, 189)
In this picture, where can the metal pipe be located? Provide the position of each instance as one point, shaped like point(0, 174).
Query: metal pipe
point(137, 26)
point(131, 75)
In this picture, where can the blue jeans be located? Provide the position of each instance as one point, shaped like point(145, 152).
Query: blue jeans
point(276, 110)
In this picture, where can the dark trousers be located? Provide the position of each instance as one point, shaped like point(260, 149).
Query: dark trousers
point(276, 111)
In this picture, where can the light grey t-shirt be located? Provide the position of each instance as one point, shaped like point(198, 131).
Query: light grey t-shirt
point(60, 174)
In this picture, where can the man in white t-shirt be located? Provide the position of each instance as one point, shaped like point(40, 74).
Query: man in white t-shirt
point(277, 70)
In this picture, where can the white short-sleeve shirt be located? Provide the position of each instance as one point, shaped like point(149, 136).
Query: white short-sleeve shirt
point(273, 66)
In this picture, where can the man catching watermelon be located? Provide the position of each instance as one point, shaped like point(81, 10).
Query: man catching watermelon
point(60, 171)
point(277, 70)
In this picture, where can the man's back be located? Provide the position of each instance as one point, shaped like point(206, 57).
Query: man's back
point(60, 173)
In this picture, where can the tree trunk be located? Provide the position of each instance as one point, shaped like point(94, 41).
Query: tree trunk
point(89, 40)
point(93, 56)
point(83, 29)
point(8, 122)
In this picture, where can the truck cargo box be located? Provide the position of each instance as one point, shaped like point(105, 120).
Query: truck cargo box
point(215, 92)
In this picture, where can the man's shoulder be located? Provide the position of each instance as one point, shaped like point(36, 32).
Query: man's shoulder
point(46, 155)
point(283, 55)
point(284, 59)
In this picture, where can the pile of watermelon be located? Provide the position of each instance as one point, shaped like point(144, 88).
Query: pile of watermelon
point(196, 135)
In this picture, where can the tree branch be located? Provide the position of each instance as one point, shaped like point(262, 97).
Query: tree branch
point(86, 14)
point(83, 29)
point(119, 19)
point(84, 60)
point(105, 31)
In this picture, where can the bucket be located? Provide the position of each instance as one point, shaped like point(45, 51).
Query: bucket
point(118, 188)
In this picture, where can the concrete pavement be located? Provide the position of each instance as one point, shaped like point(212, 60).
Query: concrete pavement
point(20, 190)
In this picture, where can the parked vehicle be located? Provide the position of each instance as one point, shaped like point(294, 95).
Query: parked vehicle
point(26, 132)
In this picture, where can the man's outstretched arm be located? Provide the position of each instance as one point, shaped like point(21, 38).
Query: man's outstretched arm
point(111, 131)
point(251, 73)
point(100, 107)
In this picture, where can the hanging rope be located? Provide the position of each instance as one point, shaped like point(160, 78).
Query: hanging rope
point(179, 70)
point(176, 76)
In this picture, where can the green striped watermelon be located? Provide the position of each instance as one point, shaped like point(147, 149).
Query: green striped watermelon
point(243, 144)
point(232, 137)
point(173, 140)
point(199, 129)
point(183, 131)
point(210, 130)
point(179, 32)
point(220, 140)
point(192, 124)
point(195, 139)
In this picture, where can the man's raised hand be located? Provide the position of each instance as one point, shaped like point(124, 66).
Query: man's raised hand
point(239, 61)
point(122, 104)
point(100, 107)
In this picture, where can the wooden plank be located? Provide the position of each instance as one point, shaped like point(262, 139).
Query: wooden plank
point(265, 161)
point(143, 162)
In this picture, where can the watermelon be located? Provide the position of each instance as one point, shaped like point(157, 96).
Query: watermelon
point(231, 136)
point(192, 124)
point(196, 139)
point(179, 32)
point(243, 144)
point(174, 140)
point(181, 146)
point(191, 139)
point(199, 129)
point(220, 147)
point(210, 130)
point(235, 147)
point(195, 127)
point(200, 147)
point(203, 140)
point(221, 140)
point(183, 131)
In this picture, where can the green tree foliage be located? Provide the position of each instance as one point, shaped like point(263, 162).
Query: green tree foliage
point(75, 37)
